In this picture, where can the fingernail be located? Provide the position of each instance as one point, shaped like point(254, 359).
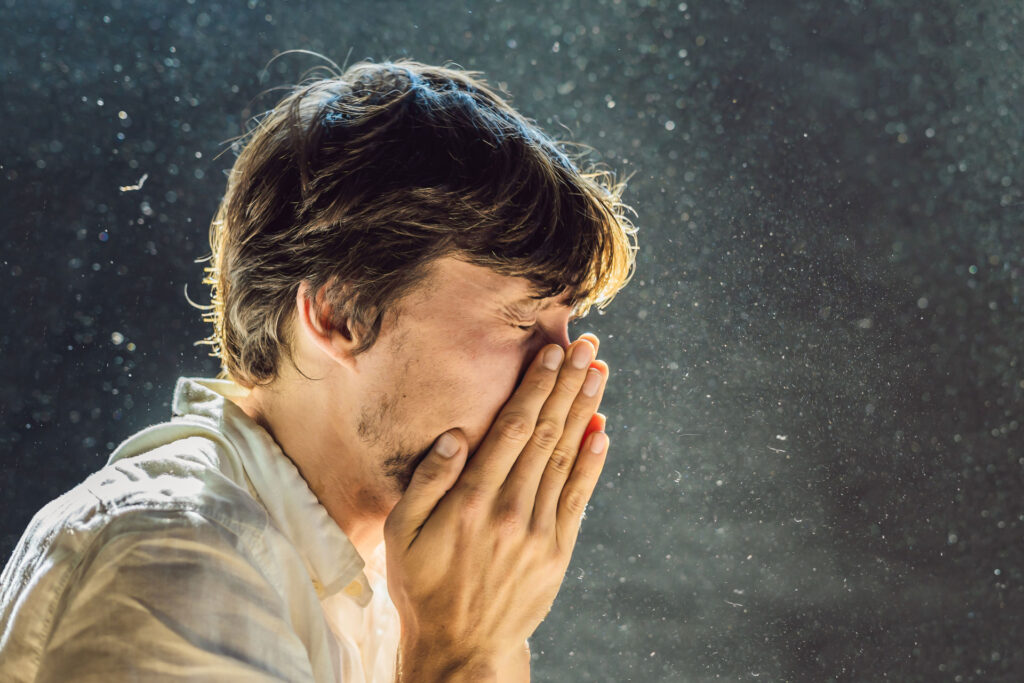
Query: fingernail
point(598, 442)
point(553, 358)
point(582, 355)
point(447, 445)
point(592, 338)
point(592, 383)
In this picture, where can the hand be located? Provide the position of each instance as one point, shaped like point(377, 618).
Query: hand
point(476, 554)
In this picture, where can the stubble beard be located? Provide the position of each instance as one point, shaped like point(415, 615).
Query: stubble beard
point(399, 467)
point(376, 428)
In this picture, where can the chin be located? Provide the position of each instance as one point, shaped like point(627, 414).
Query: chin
point(399, 469)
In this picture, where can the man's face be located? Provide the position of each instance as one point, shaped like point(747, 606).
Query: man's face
point(457, 350)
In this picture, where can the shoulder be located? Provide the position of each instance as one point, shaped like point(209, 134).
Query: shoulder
point(159, 589)
point(173, 489)
point(130, 543)
point(185, 476)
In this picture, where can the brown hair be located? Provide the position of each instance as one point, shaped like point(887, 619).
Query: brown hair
point(359, 181)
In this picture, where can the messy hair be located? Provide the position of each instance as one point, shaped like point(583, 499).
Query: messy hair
point(356, 183)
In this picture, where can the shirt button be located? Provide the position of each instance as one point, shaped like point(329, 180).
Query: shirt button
point(355, 589)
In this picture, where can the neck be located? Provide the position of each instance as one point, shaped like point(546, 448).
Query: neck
point(326, 455)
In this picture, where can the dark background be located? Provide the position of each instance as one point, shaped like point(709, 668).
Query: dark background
point(817, 396)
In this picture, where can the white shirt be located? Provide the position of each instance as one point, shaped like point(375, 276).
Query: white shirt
point(197, 553)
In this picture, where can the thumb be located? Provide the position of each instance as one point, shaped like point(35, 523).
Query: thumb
point(436, 473)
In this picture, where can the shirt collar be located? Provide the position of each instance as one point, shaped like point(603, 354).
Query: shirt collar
point(332, 561)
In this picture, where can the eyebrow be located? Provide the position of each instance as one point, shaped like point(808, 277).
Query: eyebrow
point(530, 305)
point(523, 308)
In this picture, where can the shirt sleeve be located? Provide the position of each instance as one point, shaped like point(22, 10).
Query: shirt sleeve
point(174, 599)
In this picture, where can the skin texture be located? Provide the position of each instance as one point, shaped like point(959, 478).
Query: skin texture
point(360, 429)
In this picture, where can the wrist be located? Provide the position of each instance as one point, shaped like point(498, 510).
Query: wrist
point(423, 663)
point(516, 666)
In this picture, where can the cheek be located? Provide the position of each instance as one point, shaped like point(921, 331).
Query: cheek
point(495, 377)
point(479, 380)
point(459, 379)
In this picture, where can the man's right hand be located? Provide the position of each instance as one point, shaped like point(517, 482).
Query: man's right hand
point(476, 552)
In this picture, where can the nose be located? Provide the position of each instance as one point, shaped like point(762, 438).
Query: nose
point(555, 330)
point(559, 335)
point(550, 334)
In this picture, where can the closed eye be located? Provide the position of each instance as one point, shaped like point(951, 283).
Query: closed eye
point(527, 328)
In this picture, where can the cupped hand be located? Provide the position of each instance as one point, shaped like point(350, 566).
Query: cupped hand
point(476, 551)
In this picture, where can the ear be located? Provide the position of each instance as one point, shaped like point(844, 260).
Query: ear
point(335, 339)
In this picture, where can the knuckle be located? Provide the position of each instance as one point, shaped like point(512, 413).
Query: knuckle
point(542, 382)
point(509, 519)
point(566, 385)
point(429, 471)
point(474, 499)
point(561, 461)
point(575, 502)
point(539, 527)
point(580, 411)
point(547, 433)
point(514, 427)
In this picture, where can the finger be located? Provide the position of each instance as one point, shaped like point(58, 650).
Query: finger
point(559, 466)
point(525, 474)
point(579, 489)
point(577, 430)
point(596, 424)
point(434, 476)
point(515, 423)
point(592, 338)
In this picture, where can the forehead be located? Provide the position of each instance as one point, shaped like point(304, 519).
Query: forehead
point(454, 282)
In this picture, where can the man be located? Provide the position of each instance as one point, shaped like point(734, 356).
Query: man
point(387, 480)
